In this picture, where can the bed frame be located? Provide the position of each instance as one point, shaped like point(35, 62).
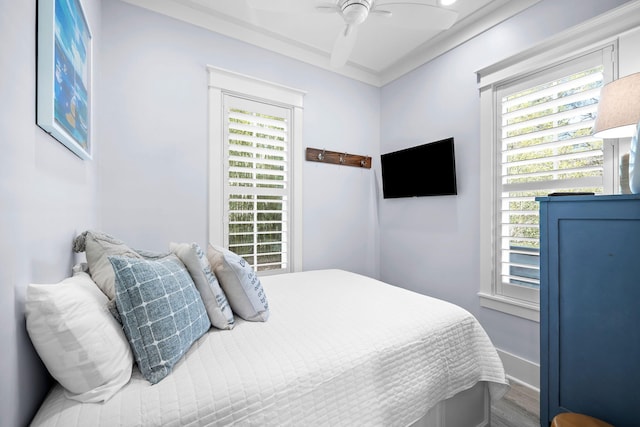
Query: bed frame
point(470, 408)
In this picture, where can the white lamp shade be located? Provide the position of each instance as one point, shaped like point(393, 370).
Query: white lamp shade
point(619, 108)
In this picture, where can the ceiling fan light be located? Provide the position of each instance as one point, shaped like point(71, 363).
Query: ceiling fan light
point(447, 2)
point(355, 12)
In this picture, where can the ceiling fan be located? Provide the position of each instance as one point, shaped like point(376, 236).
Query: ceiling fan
point(414, 14)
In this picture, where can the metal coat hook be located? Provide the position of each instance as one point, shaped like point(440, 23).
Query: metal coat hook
point(321, 155)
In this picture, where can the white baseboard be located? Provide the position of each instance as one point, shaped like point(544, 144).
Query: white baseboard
point(521, 370)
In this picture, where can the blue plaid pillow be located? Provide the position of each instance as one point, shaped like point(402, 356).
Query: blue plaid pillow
point(161, 311)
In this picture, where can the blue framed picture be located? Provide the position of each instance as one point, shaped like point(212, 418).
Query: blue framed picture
point(64, 74)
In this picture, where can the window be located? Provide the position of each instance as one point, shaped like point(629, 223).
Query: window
point(256, 196)
point(540, 143)
point(255, 180)
point(544, 146)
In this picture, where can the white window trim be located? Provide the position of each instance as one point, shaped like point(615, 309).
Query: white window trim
point(590, 35)
point(225, 81)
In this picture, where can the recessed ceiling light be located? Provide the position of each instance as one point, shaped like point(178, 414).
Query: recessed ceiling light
point(447, 2)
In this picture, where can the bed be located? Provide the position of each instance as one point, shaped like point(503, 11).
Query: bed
point(338, 349)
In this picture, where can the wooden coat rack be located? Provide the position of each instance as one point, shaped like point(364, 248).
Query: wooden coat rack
point(337, 158)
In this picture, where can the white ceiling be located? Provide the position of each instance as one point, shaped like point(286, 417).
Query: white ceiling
point(384, 49)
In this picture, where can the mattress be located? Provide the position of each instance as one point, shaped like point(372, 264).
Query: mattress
point(338, 349)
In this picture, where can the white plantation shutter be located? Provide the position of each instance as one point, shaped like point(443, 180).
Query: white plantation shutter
point(257, 189)
point(545, 145)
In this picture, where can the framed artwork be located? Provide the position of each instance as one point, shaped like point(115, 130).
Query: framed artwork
point(64, 74)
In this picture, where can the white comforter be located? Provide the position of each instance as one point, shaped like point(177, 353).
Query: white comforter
point(338, 349)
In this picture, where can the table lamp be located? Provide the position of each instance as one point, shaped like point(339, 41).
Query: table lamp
point(618, 116)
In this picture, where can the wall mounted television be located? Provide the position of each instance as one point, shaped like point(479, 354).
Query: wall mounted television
point(424, 170)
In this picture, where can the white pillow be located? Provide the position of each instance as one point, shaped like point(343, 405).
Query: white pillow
point(240, 283)
point(79, 341)
point(213, 297)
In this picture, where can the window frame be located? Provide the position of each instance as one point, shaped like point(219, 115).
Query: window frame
point(223, 82)
point(599, 33)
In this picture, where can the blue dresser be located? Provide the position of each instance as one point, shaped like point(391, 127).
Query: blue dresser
point(590, 307)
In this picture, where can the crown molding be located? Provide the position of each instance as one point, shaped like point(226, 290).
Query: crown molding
point(195, 14)
point(595, 31)
point(191, 12)
point(470, 27)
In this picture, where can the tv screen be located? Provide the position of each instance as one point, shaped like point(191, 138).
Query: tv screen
point(423, 170)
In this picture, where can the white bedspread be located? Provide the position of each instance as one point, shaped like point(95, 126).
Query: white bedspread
point(338, 349)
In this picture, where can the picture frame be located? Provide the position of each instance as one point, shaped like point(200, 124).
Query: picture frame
point(64, 74)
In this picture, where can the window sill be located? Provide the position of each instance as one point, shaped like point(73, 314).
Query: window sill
point(511, 306)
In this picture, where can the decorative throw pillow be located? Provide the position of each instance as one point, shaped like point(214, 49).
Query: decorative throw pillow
point(98, 247)
point(161, 311)
point(78, 340)
point(240, 283)
point(213, 297)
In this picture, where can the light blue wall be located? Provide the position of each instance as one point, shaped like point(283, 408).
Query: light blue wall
point(47, 196)
point(431, 244)
point(153, 163)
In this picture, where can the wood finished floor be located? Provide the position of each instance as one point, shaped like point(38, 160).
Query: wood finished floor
point(520, 407)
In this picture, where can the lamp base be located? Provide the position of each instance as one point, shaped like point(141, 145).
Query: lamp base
point(634, 163)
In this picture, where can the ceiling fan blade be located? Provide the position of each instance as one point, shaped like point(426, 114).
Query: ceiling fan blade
point(414, 14)
point(382, 13)
point(327, 7)
point(282, 6)
point(343, 46)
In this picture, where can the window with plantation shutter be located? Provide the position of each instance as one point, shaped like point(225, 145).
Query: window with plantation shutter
point(255, 170)
point(257, 193)
point(545, 146)
point(542, 144)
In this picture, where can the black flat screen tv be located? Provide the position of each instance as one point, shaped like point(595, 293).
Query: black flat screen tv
point(423, 170)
